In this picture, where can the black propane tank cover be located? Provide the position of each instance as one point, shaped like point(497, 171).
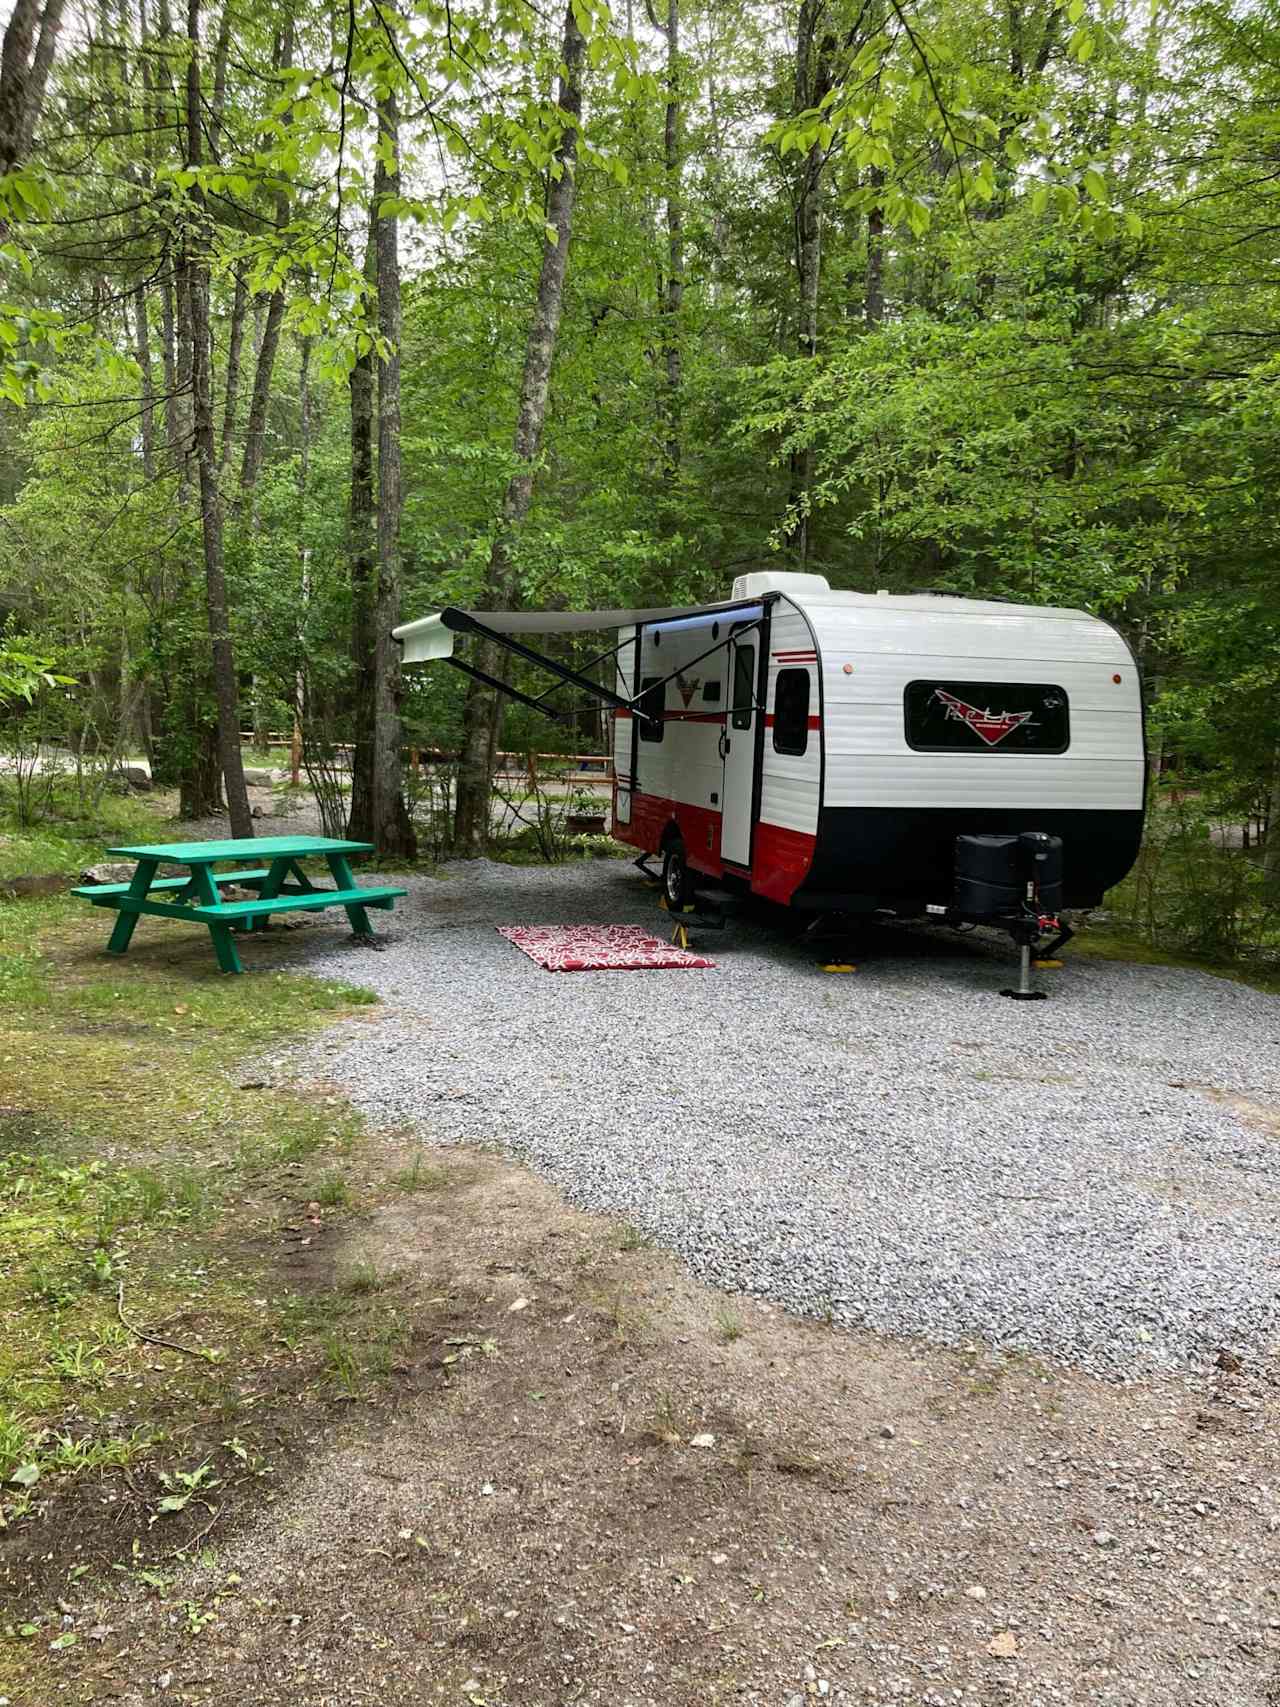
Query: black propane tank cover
point(989, 877)
point(1044, 864)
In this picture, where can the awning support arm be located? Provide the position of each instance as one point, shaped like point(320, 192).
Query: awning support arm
point(506, 688)
point(457, 619)
point(589, 665)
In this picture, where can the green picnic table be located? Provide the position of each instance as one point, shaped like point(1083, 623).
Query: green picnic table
point(282, 887)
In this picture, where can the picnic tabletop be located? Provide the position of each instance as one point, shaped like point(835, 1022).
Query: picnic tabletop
point(248, 847)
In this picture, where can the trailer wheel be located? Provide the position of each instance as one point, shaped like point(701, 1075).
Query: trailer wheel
point(677, 885)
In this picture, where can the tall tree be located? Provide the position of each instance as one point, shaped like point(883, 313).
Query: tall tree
point(26, 58)
point(482, 712)
point(378, 810)
point(195, 273)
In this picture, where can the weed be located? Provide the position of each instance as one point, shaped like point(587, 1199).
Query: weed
point(332, 1192)
point(184, 1485)
point(420, 1176)
point(365, 1277)
point(75, 1360)
point(729, 1325)
point(629, 1238)
point(340, 1361)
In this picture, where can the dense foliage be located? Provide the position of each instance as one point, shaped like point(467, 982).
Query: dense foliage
point(968, 296)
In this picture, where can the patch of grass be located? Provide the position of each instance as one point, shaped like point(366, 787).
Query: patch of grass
point(421, 1175)
point(366, 1277)
point(332, 1192)
point(729, 1325)
point(629, 1238)
point(134, 1155)
point(1111, 942)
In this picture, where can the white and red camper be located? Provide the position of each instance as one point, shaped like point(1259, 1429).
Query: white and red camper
point(860, 752)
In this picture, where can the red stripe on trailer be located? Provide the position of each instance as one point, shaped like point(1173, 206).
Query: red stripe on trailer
point(699, 828)
point(797, 657)
point(813, 723)
point(781, 857)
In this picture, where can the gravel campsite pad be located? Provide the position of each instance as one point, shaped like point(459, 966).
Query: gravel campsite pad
point(1096, 1177)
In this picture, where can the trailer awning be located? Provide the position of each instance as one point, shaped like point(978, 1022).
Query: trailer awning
point(432, 637)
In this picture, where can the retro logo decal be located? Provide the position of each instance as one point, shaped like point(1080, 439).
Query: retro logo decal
point(688, 686)
point(990, 726)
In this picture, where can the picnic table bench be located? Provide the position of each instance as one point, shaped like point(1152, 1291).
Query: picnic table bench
point(282, 887)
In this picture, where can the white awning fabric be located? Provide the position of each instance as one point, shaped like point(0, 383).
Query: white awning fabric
point(433, 636)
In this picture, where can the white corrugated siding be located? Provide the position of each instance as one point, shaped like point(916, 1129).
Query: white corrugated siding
point(624, 727)
point(891, 642)
point(790, 784)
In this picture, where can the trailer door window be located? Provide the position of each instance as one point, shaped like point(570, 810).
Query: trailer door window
point(791, 712)
point(744, 686)
point(652, 706)
point(987, 717)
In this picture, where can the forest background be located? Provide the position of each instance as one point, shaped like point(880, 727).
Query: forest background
point(315, 316)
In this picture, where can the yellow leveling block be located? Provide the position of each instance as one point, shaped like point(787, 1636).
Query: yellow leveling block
point(836, 966)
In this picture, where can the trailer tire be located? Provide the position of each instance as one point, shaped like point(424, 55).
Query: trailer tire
point(677, 884)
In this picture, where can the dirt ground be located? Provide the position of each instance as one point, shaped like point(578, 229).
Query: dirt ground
point(589, 1479)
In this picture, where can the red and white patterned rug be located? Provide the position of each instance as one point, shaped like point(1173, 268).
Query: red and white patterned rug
point(597, 948)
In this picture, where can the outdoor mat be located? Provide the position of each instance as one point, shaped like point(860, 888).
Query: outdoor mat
point(597, 948)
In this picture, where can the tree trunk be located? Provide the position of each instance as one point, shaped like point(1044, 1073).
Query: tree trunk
point(482, 711)
point(875, 254)
point(142, 350)
point(360, 539)
point(235, 343)
point(26, 57)
point(1271, 848)
point(383, 817)
point(196, 267)
point(812, 83)
point(392, 829)
point(674, 295)
point(256, 433)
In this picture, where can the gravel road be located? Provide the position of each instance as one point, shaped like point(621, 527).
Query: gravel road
point(1095, 1178)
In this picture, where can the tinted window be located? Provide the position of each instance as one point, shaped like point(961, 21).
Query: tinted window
point(791, 712)
point(652, 705)
point(744, 686)
point(987, 717)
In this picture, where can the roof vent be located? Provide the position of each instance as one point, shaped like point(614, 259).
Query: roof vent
point(778, 581)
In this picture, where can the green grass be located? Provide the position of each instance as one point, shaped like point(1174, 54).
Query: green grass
point(141, 1177)
point(1114, 942)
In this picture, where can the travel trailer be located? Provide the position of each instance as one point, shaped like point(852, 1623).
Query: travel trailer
point(860, 753)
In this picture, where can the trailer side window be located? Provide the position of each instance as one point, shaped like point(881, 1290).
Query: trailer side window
point(987, 717)
point(744, 686)
point(650, 710)
point(791, 712)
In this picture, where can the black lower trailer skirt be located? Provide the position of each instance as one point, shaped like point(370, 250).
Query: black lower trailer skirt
point(869, 857)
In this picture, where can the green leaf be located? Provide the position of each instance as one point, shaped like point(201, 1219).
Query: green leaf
point(1095, 184)
point(1133, 222)
point(26, 1475)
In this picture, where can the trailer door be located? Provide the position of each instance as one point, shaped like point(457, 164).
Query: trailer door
point(738, 749)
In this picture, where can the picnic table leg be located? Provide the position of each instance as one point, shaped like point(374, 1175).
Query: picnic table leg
point(271, 886)
point(344, 878)
point(224, 944)
point(139, 884)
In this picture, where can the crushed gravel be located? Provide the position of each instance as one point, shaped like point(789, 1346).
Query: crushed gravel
point(899, 1148)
